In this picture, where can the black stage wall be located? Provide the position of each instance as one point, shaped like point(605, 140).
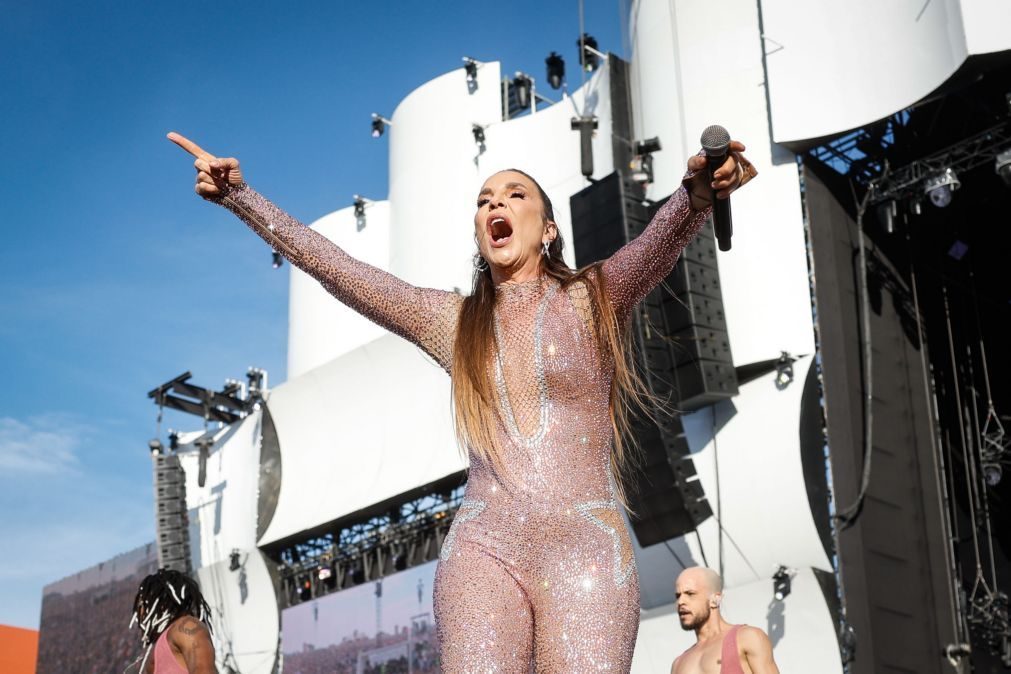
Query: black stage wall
point(893, 558)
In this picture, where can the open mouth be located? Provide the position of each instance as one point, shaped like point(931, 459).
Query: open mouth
point(500, 231)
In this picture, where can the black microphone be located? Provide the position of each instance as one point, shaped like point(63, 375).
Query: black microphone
point(716, 145)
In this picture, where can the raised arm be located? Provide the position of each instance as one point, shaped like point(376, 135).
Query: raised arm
point(644, 262)
point(424, 316)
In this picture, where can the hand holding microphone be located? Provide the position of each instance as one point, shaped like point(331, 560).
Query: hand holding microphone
point(725, 171)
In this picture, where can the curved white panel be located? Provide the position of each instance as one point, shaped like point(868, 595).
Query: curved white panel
point(837, 66)
point(676, 94)
point(367, 426)
point(432, 176)
point(319, 327)
point(800, 627)
point(761, 500)
point(244, 617)
point(761, 490)
point(223, 512)
point(986, 25)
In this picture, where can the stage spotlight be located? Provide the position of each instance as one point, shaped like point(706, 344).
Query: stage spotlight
point(589, 57)
point(470, 66)
point(478, 132)
point(1003, 166)
point(916, 206)
point(305, 591)
point(992, 473)
point(233, 561)
point(276, 260)
point(556, 70)
point(648, 146)
point(781, 582)
point(642, 163)
point(940, 187)
point(155, 446)
point(173, 439)
point(399, 561)
point(379, 124)
point(522, 85)
point(356, 576)
point(359, 202)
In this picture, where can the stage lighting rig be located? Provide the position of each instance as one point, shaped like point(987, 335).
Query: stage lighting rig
point(470, 66)
point(1003, 166)
point(523, 85)
point(155, 446)
point(939, 188)
point(360, 203)
point(781, 582)
point(556, 70)
point(936, 176)
point(478, 132)
point(784, 371)
point(642, 162)
point(589, 57)
point(379, 124)
point(276, 260)
point(226, 405)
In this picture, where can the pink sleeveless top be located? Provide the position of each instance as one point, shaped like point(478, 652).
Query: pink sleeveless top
point(164, 659)
point(730, 663)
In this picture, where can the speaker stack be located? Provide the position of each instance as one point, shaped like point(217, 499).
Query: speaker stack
point(683, 349)
point(172, 534)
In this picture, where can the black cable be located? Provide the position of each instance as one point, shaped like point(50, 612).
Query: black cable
point(847, 516)
point(702, 549)
point(719, 498)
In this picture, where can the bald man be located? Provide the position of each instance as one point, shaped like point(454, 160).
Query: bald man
point(720, 648)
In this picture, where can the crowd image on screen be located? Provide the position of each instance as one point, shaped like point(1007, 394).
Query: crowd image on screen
point(359, 654)
point(87, 632)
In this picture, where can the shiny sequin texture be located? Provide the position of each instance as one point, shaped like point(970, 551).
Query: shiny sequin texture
point(537, 571)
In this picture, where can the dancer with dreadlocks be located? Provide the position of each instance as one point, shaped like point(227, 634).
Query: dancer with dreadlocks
point(174, 621)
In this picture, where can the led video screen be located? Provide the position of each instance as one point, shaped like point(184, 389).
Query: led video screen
point(378, 627)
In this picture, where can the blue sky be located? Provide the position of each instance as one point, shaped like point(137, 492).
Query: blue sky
point(116, 277)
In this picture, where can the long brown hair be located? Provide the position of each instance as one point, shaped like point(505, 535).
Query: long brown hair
point(474, 397)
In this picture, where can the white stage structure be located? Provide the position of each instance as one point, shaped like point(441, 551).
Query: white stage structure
point(366, 416)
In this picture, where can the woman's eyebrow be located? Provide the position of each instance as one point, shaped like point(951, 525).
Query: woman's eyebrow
point(509, 186)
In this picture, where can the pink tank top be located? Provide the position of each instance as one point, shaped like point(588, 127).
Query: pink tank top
point(164, 659)
point(730, 662)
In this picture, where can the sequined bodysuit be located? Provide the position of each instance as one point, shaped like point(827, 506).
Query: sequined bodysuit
point(537, 569)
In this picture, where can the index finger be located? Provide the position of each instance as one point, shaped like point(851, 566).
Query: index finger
point(188, 145)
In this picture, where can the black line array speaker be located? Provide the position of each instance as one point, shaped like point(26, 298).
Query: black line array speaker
point(172, 533)
point(682, 348)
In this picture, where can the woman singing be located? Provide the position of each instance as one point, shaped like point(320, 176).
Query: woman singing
point(537, 569)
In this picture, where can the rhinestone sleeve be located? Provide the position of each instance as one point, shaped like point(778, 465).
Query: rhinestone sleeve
point(644, 262)
point(424, 316)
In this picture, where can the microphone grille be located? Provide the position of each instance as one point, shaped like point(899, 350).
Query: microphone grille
point(715, 137)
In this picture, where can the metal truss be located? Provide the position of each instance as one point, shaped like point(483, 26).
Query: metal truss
point(408, 535)
point(964, 155)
